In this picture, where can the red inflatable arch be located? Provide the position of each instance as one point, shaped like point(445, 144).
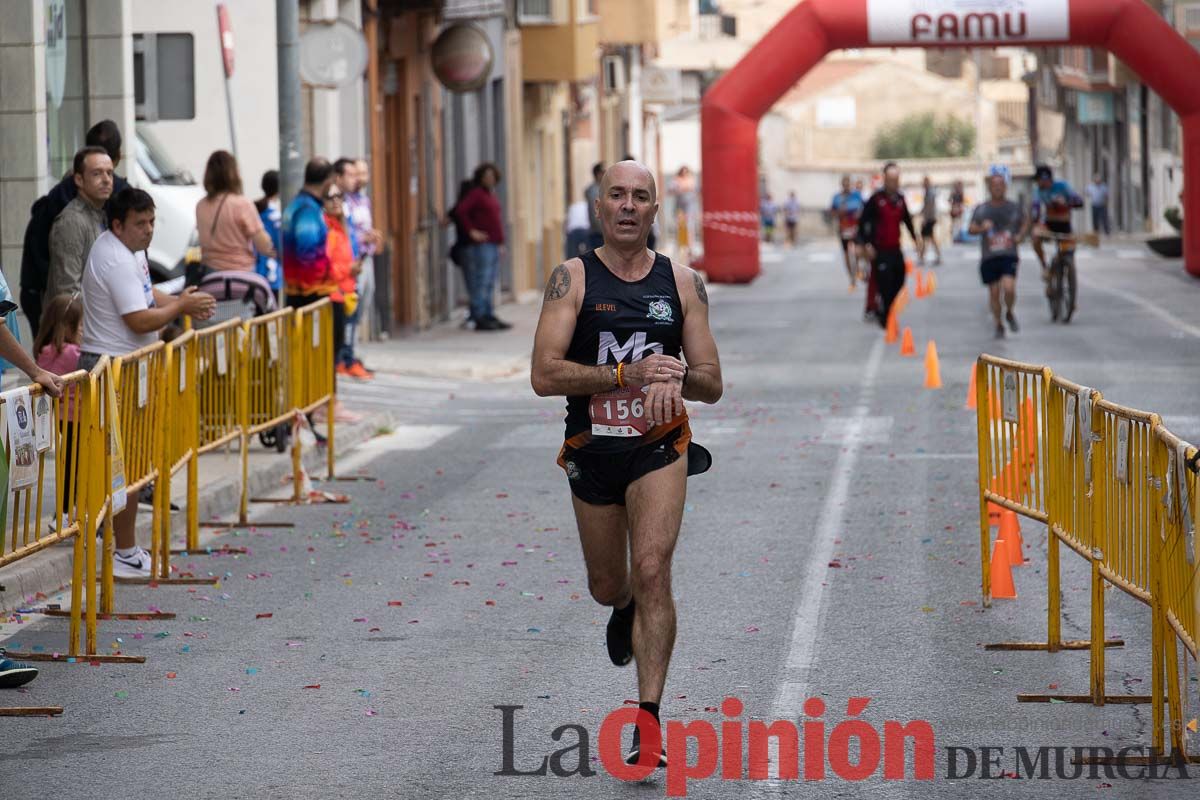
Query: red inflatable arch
point(729, 116)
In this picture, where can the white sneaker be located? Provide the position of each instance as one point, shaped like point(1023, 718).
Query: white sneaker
point(136, 565)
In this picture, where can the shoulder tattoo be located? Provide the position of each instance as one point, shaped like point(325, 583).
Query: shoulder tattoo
point(701, 292)
point(559, 283)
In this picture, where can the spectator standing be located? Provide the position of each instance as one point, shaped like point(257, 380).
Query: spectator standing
point(479, 212)
point(345, 264)
point(76, 228)
point(578, 229)
point(460, 251)
point(123, 312)
point(361, 219)
point(768, 210)
point(228, 223)
point(57, 350)
point(591, 195)
point(371, 242)
point(1098, 195)
point(683, 189)
point(35, 254)
point(307, 271)
point(791, 217)
point(271, 216)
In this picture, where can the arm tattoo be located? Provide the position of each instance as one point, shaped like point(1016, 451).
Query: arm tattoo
point(559, 283)
point(701, 292)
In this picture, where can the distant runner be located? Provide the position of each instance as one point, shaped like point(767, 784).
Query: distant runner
point(1001, 226)
point(879, 233)
point(624, 335)
point(846, 207)
point(928, 223)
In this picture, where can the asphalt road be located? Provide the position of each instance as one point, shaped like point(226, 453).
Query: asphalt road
point(832, 552)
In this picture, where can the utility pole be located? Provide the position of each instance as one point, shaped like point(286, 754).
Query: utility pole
point(287, 36)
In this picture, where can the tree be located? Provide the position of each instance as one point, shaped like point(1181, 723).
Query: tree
point(926, 136)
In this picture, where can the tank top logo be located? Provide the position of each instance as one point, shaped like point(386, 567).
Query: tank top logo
point(636, 347)
point(660, 310)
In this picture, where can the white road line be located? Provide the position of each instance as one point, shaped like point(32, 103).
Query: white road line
point(807, 616)
point(1148, 307)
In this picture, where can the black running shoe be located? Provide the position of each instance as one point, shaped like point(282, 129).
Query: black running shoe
point(635, 752)
point(619, 636)
point(1012, 322)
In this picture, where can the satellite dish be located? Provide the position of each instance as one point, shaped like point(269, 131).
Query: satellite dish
point(332, 54)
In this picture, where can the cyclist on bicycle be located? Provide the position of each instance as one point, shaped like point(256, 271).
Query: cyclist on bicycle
point(1051, 213)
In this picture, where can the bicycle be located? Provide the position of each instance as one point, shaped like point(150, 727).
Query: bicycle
point(1062, 271)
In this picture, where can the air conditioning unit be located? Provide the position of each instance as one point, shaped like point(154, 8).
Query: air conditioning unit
point(613, 71)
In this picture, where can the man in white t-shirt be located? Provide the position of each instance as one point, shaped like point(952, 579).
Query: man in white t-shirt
point(123, 312)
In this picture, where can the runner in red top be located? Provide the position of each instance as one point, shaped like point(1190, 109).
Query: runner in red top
point(879, 232)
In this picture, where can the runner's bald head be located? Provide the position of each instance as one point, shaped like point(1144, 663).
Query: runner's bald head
point(629, 174)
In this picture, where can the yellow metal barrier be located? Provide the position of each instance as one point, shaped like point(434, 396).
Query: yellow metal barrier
point(61, 431)
point(1010, 414)
point(313, 376)
point(181, 430)
point(218, 374)
point(270, 386)
point(139, 381)
point(1176, 591)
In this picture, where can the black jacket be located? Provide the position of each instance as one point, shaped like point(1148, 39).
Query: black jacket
point(35, 253)
point(868, 223)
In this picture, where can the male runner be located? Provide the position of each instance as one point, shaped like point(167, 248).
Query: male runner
point(928, 223)
point(846, 207)
point(879, 233)
point(614, 325)
point(1001, 226)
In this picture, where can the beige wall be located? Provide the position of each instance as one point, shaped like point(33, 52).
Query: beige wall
point(884, 95)
point(560, 52)
point(539, 225)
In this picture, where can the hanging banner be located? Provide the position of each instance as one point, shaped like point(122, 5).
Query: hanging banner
point(950, 23)
point(115, 453)
point(22, 447)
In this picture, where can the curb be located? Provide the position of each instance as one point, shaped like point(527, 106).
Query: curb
point(51, 571)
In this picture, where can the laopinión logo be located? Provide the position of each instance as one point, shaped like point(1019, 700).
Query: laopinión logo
point(851, 750)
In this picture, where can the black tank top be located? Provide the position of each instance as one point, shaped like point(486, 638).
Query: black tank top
point(622, 321)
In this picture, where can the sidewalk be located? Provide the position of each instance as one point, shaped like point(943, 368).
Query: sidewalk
point(219, 494)
point(448, 350)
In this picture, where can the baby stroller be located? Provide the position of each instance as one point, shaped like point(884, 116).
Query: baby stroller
point(243, 295)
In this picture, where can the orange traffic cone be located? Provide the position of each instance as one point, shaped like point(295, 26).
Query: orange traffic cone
point(908, 266)
point(918, 284)
point(906, 343)
point(892, 329)
point(931, 284)
point(933, 370)
point(901, 301)
point(971, 403)
point(1010, 532)
point(1002, 580)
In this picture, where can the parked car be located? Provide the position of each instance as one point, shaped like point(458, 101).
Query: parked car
point(175, 194)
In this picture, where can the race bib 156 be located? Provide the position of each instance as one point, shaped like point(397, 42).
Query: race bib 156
point(620, 412)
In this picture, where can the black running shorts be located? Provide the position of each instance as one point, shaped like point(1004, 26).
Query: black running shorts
point(601, 479)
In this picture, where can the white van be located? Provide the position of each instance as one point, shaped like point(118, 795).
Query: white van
point(175, 194)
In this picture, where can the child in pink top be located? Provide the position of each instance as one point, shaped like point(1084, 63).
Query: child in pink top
point(56, 349)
